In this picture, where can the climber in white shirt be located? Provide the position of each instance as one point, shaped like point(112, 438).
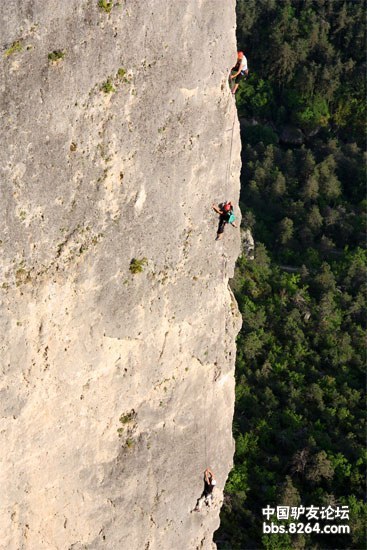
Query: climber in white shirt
point(239, 71)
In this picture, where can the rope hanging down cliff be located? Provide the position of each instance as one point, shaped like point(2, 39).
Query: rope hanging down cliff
point(227, 176)
point(228, 172)
point(225, 210)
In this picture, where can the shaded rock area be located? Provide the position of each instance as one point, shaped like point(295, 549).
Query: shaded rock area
point(290, 135)
point(248, 244)
point(118, 327)
point(265, 130)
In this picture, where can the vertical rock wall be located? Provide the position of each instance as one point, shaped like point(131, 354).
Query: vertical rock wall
point(117, 388)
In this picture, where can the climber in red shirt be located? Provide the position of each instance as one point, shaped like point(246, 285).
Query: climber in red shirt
point(225, 216)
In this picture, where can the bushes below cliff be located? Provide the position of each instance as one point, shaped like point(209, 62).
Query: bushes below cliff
point(299, 422)
point(307, 63)
point(299, 419)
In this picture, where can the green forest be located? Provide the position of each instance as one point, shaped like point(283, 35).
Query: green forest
point(299, 421)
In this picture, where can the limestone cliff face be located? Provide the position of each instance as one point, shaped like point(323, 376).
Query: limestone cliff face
point(117, 384)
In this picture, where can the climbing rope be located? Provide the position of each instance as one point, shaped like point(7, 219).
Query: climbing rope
point(205, 427)
point(228, 173)
point(227, 176)
point(211, 408)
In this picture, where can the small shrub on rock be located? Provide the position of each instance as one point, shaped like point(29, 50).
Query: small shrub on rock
point(107, 87)
point(137, 266)
point(105, 5)
point(56, 55)
point(15, 47)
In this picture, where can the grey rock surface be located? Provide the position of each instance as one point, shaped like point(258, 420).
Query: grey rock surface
point(117, 324)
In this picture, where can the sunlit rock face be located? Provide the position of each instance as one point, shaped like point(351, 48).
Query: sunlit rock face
point(117, 324)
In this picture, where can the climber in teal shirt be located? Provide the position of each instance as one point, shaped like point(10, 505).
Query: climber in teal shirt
point(226, 215)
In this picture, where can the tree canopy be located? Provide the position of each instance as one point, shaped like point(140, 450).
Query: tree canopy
point(300, 401)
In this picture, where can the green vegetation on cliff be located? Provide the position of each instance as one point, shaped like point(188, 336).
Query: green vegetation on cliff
point(300, 401)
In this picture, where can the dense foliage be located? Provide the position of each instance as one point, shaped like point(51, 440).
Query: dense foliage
point(300, 402)
point(307, 63)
